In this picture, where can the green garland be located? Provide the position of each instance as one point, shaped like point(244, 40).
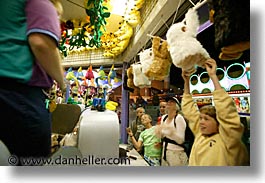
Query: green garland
point(97, 14)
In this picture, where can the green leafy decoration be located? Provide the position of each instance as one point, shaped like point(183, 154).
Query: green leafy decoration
point(97, 18)
point(97, 14)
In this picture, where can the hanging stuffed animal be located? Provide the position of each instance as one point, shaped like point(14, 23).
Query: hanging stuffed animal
point(112, 75)
point(71, 76)
point(126, 81)
point(160, 67)
point(132, 14)
point(101, 75)
point(139, 78)
point(146, 58)
point(80, 75)
point(117, 42)
point(90, 76)
point(130, 76)
point(185, 50)
point(133, 17)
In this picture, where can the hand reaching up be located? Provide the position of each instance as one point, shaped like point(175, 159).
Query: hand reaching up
point(211, 66)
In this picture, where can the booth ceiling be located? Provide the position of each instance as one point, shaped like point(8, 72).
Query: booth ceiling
point(126, 29)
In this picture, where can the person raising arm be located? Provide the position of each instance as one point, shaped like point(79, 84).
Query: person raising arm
point(217, 129)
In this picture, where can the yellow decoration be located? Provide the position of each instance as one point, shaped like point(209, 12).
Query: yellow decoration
point(52, 106)
point(111, 105)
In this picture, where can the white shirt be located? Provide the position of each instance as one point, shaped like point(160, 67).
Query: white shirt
point(177, 134)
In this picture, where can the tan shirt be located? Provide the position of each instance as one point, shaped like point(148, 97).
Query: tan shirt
point(223, 149)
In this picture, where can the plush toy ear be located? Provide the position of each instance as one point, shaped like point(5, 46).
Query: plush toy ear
point(183, 29)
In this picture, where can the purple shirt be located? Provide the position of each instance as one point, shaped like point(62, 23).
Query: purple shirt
point(42, 17)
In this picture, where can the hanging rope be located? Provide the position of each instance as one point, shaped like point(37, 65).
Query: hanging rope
point(196, 6)
point(151, 34)
point(191, 2)
point(176, 13)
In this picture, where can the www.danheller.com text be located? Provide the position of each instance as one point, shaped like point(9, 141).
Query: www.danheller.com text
point(73, 160)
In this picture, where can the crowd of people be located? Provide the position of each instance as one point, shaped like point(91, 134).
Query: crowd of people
point(217, 130)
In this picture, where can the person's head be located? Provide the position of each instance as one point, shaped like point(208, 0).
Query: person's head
point(173, 104)
point(146, 119)
point(162, 107)
point(208, 121)
point(140, 111)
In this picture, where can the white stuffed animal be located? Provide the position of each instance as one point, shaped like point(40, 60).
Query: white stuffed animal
point(185, 50)
point(146, 58)
point(139, 78)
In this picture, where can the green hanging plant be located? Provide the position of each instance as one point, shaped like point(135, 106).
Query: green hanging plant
point(97, 15)
point(78, 40)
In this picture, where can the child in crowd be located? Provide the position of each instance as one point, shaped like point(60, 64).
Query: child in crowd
point(148, 139)
point(217, 129)
point(137, 127)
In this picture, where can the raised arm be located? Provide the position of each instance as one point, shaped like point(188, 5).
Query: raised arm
point(186, 77)
point(136, 144)
point(211, 66)
point(189, 107)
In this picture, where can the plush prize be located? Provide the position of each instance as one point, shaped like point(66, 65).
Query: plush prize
point(112, 75)
point(118, 41)
point(139, 78)
point(130, 76)
point(101, 75)
point(185, 50)
point(160, 66)
point(70, 76)
point(111, 105)
point(146, 58)
point(80, 75)
point(90, 76)
point(132, 13)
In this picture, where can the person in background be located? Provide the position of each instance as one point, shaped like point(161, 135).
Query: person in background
point(217, 129)
point(162, 111)
point(147, 139)
point(172, 132)
point(155, 99)
point(140, 102)
point(29, 62)
point(136, 127)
